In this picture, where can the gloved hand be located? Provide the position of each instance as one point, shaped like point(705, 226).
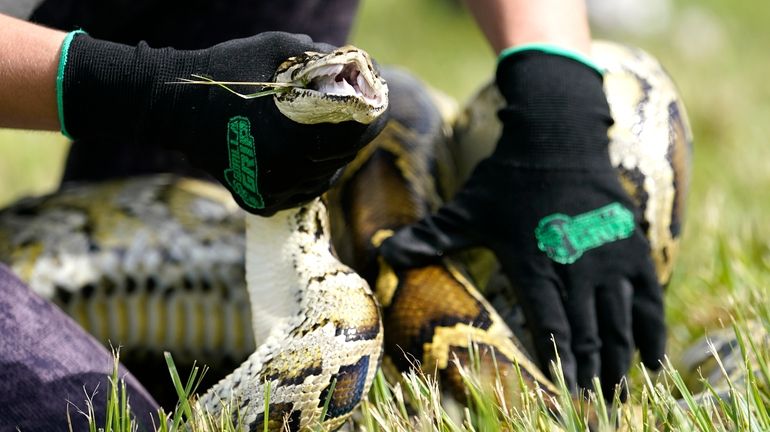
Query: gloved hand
point(549, 204)
point(266, 160)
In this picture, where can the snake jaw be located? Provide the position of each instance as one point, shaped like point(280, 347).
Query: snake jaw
point(344, 80)
point(335, 87)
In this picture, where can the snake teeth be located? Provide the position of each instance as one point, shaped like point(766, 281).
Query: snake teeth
point(344, 78)
point(348, 79)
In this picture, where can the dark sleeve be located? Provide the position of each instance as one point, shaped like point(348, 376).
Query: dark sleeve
point(185, 24)
point(47, 362)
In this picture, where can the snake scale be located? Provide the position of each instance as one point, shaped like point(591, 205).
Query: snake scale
point(157, 262)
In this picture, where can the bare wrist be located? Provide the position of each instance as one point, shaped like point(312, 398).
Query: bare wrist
point(29, 58)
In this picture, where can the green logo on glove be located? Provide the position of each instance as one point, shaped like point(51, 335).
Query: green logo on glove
point(242, 174)
point(564, 238)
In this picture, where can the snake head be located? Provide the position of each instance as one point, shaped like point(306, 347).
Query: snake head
point(334, 87)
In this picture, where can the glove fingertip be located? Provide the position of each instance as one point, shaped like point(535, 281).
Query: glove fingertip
point(653, 355)
point(650, 337)
point(649, 318)
point(433, 237)
point(403, 250)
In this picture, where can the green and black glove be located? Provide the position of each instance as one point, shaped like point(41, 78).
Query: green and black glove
point(266, 160)
point(549, 204)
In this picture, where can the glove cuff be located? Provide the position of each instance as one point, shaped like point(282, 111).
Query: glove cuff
point(60, 78)
point(112, 90)
point(551, 49)
point(556, 114)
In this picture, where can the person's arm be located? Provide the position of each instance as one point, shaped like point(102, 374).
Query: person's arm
point(96, 89)
point(29, 58)
point(589, 287)
point(508, 23)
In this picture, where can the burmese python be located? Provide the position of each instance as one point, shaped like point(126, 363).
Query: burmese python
point(157, 261)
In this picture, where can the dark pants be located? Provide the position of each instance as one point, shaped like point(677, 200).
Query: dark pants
point(48, 363)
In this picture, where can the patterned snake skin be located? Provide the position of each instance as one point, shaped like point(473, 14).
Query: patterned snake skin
point(157, 263)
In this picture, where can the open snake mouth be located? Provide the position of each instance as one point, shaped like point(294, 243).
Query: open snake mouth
point(342, 80)
point(346, 73)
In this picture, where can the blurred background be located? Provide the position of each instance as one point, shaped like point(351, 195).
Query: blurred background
point(718, 52)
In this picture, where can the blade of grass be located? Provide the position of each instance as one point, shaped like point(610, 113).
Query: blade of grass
point(180, 391)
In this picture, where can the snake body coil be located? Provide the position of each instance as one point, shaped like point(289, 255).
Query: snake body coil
point(316, 323)
point(158, 261)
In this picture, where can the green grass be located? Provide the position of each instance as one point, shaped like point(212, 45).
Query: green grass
point(30, 163)
point(415, 403)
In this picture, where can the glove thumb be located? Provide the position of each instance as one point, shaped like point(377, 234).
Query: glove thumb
point(430, 239)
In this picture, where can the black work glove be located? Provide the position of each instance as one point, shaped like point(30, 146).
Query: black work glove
point(551, 207)
point(266, 160)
